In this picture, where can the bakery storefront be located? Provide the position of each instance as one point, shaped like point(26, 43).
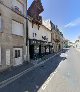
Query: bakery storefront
point(37, 48)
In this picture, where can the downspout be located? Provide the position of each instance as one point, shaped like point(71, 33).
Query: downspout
point(27, 35)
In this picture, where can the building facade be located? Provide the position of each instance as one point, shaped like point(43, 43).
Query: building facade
point(39, 40)
point(77, 43)
point(12, 33)
point(57, 38)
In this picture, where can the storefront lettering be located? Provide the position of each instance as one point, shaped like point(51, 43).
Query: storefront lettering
point(44, 38)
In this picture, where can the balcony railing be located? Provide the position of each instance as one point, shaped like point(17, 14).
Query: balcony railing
point(37, 20)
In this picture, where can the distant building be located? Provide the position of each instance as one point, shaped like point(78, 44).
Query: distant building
point(66, 43)
point(77, 44)
point(57, 38)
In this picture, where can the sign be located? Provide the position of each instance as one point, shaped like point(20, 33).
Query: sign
point(44, 38)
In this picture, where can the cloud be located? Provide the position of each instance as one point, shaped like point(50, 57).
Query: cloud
point(73, 23)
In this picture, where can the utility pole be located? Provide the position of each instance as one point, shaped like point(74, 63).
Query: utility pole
point(27, 36)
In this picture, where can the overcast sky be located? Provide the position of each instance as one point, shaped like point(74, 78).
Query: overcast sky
point(65, 14)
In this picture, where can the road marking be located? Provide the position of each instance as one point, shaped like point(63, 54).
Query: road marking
point(48, 80)
point(11, 79)
point(51, 76)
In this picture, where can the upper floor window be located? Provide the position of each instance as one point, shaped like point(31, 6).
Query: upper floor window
point(18, 5)
point(17, 28)
point(34, 34)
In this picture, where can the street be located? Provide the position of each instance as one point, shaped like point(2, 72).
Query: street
point(39, 46)
point(58, 74)
point(67, 77)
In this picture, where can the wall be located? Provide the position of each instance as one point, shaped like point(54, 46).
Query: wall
point(7, 39)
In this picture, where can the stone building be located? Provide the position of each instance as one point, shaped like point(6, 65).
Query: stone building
point(12, 33)
point(57, 38)
point(77, 43)
point(66, 43)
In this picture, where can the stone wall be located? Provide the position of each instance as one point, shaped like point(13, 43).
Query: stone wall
point(7, 39)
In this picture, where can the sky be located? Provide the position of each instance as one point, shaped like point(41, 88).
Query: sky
point(65, 14)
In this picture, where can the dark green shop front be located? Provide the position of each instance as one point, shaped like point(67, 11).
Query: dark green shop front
point(38, 49)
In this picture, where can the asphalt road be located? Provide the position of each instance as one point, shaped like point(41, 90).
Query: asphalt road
point(67, 76)
point(34, 80)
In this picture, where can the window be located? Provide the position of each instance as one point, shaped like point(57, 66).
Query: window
point(17, 28)
point(34, 34)
point(17, 53)
point(18, 5)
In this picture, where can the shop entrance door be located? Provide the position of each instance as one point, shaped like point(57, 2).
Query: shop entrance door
point(31, 51)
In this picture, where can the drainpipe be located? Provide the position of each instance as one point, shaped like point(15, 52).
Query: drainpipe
point(27, 36)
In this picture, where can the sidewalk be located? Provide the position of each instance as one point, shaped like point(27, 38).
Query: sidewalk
point(16, 70)
point(78, 49)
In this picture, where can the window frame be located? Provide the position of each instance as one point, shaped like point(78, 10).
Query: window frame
point(17, 54)
point(16, 3)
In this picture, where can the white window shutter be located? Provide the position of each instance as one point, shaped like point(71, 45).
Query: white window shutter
point(17, 28)
point(8, 57)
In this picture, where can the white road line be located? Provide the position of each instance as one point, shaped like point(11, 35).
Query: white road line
point(48, 80)
point(11, 79)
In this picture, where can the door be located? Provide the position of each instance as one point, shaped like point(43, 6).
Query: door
point(31, 51)
point(17, 53)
